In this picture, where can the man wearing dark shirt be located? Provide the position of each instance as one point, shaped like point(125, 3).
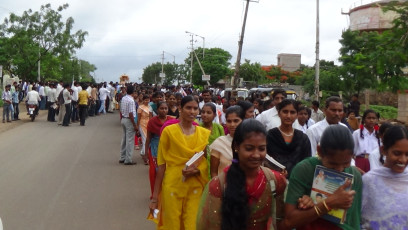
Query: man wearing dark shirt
point(354, 105)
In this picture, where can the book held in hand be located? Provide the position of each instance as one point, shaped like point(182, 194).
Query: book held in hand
point(193, 160)
point(274, 162)
point(325, 183)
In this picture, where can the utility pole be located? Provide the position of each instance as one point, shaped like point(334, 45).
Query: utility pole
point(162, 63)
point(192, 50)
point(235, 78)
point(317, 64)
point(192, 57)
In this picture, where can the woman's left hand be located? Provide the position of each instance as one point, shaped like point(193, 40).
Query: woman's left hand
point(305, 203)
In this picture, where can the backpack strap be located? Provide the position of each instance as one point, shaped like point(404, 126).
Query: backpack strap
point(278, 186)
point(270, 176)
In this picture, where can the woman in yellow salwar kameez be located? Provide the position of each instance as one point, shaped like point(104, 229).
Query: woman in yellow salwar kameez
point(180, 188)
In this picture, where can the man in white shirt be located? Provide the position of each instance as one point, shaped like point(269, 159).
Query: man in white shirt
point(46, 90)
point(59, 87)
point(41, 92)
point(51, 99)
point(206, 95)
point(103, 94)
point(33, 98)
point(74, 102)
point(334, 113)
point(67, 94)
point(111, 97)
point(317, 114)
point(270, 118)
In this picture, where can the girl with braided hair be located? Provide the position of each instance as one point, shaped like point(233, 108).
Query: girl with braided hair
point(243, 196)
point(366, 139)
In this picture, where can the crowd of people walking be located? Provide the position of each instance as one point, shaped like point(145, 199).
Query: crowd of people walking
point(233, 186)
point(245, 163)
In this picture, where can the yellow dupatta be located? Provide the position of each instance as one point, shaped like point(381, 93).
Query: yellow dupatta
point(175, 149)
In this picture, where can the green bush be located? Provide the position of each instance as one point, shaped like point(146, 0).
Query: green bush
point(387, 112)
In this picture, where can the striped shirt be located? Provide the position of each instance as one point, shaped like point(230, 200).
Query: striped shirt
point(127, 106)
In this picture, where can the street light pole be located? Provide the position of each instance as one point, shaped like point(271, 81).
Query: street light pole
point(192, 50)
point(174, 62)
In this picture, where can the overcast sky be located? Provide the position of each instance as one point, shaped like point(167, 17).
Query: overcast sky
point(125, 36)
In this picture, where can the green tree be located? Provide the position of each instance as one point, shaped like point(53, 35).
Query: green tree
point(331, 81)
point(355, 54)
point(174, 73)
point(151, 74)
point(400, 28)
point(251, 71)
point(215, 63)
point(375, 60)
point(39, 36)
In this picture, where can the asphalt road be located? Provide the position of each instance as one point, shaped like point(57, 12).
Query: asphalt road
point(54, 177)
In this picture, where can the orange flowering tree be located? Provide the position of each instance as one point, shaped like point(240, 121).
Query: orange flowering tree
point(277, 74)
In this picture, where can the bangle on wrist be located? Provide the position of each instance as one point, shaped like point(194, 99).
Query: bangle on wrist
point(317, 211)
point(326, 206)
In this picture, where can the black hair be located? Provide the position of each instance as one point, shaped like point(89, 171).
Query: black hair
point(212, 107)
point(336, 137)
point(157, 94)
point(393, 134)
point(160, 103)
point(279, 91)
point(206, 91)
point(381, 131)
point(245, 105)
point(368, 111)
point(286, 102)
point(234, 208)
point(237, 110)
point(186, 99)
point(316, 103)
point(309, 113)
point(130, 89)
point(145, 96)
point(266, 104)
point(178, 95)
point(350, 111)
point(319, 194)
point(333, 99)
point(260, 102)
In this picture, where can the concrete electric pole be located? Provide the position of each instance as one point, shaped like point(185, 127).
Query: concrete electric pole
point(235, 78)
point(317, 65)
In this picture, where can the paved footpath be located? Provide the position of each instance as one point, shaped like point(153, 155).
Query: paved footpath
point(56, 178)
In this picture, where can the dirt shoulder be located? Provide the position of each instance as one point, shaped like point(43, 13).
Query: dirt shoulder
point(23, 116)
